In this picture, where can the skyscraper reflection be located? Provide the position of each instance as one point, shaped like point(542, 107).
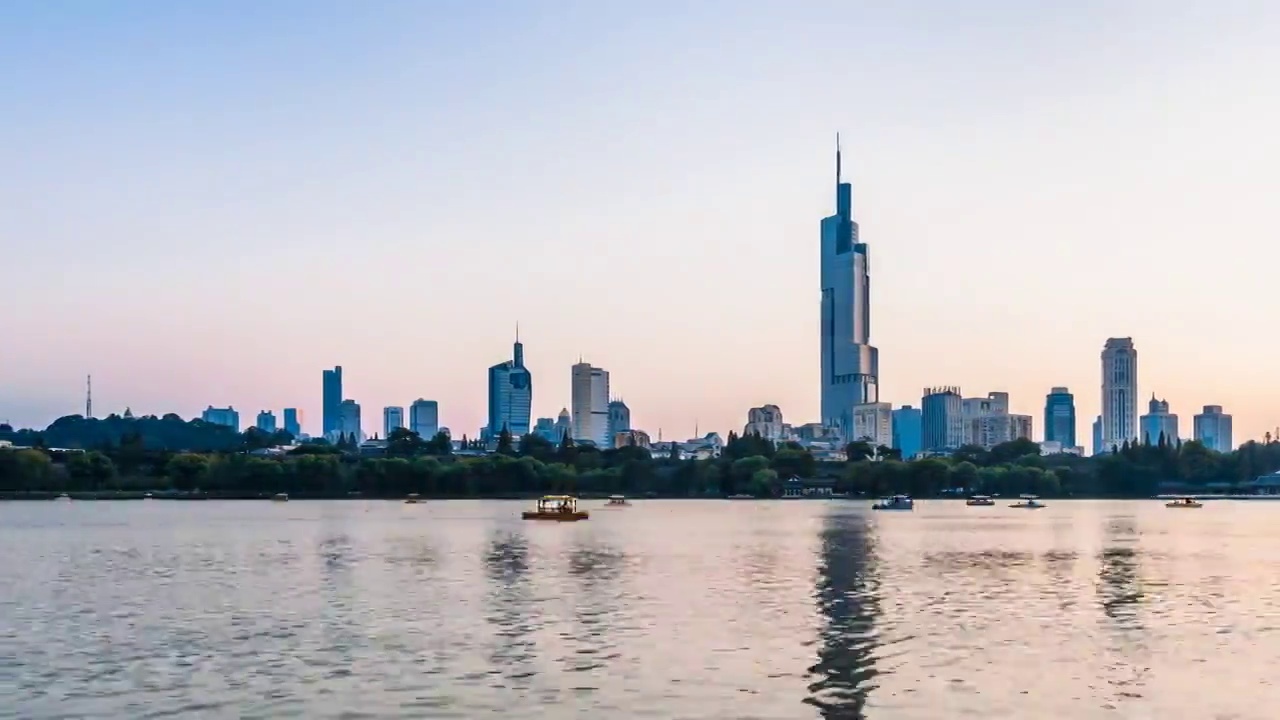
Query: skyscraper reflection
point(847, 599)
point(1119, 587)
point(600, 613)
point(510, 607)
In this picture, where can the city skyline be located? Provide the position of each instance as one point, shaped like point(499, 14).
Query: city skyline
point(681, 255)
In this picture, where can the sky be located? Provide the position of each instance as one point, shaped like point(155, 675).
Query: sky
point(209, 203)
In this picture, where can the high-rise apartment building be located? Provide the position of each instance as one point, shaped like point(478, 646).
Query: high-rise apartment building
point(266, 422)
point(873, 423)
point(1119, 393)
point(765, 421)
point(941, 419)
point(510, 395)
point(564, 426)
point(292, 422)
point(1098, 447)
point(1158, 423)
point(331, 409)
point(424, 418)
point(349, 420)
point(850, 364)
point(1060, 417)
point(619, 420)
point(906, 431)
point(1213, 429)
point(222, 416)
point(392, 420)
point(590, 404)
point(545, 428)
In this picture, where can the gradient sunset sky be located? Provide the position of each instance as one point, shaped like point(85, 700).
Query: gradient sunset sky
point(209, 203)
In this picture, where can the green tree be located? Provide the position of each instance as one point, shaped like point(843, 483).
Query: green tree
point(91, 470)
point(187, 470)
point(791, 462)
point(505, 444)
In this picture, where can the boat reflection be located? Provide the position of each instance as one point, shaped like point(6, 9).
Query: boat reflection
point(847, 600)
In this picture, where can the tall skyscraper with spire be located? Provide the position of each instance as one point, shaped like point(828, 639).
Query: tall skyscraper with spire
point(850, 364)
point(510, 395)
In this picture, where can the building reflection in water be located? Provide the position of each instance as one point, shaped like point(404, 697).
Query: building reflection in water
point(510, 607)
point(848, 603)
point(338, 614)
point(600, 612)
point(1119, 586)
point(1121, 598)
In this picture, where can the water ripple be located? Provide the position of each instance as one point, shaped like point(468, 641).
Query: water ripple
point(667, 609)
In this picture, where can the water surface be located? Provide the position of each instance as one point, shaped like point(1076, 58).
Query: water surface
point(666, 609)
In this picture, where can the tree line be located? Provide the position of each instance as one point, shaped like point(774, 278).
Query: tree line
point(170, 455)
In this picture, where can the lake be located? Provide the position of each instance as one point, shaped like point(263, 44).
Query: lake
point(665, 609)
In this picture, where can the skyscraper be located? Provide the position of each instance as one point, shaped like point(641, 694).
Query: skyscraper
point(906, 431)
point(424, 418)
point(564, 426)
point(1119, 393)
point(219, 416)
point(331, 408)
point(510, 395)
point(349, 420)
point(850, 365)
point(941, 419)
point(619, 420)
point(589, 388)
point(392, 420)
point(266, 421)
point(1060, 417)
point(1213, 428)
point(1158, 423)
point(291, 423)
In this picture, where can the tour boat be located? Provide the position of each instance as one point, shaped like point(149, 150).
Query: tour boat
point(280, 497)
point(617, 500)
point(63, 497)
point(741, 496)
point(980, 500)
point(561, 508)
point(1028, 502)
point(412, 499)
point(895, 502)
point(1185, 502)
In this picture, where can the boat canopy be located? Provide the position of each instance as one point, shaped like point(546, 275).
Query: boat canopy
point(617, 497)
point(1029, 497)
point(981, 497)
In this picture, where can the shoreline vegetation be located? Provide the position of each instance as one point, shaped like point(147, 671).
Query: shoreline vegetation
point(125, 458)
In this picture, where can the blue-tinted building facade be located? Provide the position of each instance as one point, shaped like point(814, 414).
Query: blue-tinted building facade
point(331, 408)
point(510, 396)
point(941, 419)
point(1060, 417)
point(850, 365)
point(291, 424)
point(906, 431)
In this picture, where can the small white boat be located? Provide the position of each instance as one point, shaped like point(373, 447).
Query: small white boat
point(412, 499)
point(982, 500)
point(280, 497)
point(63, 497)
point(1185, 502)
point(1028, 502)
point(894, 502)
point(618, 500)
point(741, 496)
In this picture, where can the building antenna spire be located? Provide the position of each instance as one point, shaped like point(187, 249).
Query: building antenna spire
point(517, 331)
point(88, 396)
point(837, 158)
